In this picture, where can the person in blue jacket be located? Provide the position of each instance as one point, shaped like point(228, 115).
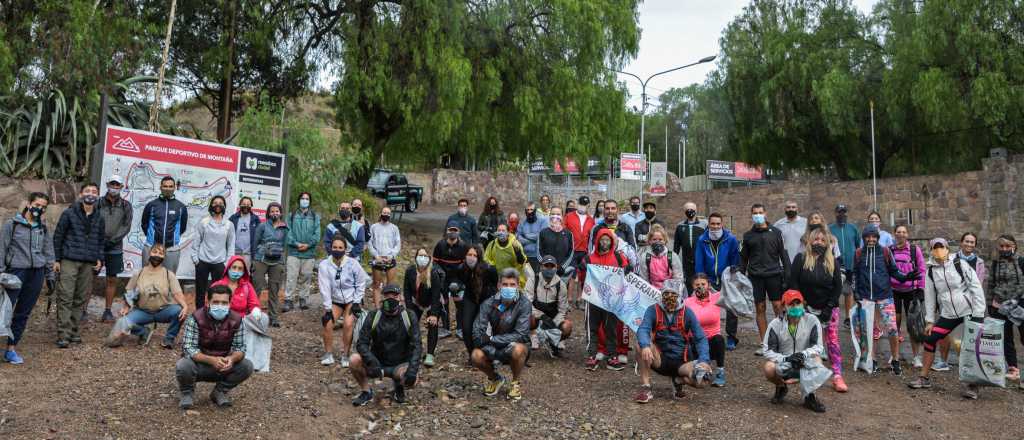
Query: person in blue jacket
point(528, 235)
point(164, 220)
point(672, 343)
point(718, 249)
point(873, 266)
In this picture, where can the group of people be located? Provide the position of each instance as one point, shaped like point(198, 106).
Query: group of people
point(513, 282)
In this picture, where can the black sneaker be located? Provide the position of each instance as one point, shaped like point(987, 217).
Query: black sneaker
point(275, 323)
point(897, 370)
point(812, 403)
point(677, 385)
point(75, 339)
point(780, 394)
point(187, 400)
point(302, 304)
point(398, 394)
point(363, 398)
point(846, 323)
point(287, 306)
point(107, 316)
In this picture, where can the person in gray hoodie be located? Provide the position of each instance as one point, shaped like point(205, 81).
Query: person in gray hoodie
point(213, 244)
point(117, 219)
point(26, 251)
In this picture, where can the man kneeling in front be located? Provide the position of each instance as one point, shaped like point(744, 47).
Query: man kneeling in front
point(672, 344)
point(388, 345)
point(213, 350)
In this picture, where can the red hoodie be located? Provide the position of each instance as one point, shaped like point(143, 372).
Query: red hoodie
point(580, 232)
point(244, 298)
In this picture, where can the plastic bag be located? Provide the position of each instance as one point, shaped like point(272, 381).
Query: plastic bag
point(915, 321)
point(1013, 311)
point(257, 340)
point(548, 333)
point(981, 354)
point(862, 324)
point(812, 376)
point(10, 281)
point(737, 293)
point(120, 333)
point(6, 314)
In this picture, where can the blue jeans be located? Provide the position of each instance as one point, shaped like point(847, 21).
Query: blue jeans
point(168, 314)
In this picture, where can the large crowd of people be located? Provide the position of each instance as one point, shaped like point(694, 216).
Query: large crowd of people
point(509, 283)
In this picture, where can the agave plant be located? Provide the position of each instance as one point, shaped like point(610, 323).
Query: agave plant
point(52, 136)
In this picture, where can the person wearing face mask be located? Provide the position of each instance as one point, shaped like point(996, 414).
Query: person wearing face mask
point(422, 291)
point(507, 314)
point(704, 304)
point(467, 224)
point(626, 242)
point(687, 239)
point(968, 254)
point(342, 283)
point(643, 228)
point(236, 278)
point(117, 219)
point(473, 283)
point(303, 236)
point(213, 350)
point(385, 244)
point(213, 243)
point(673, 344)
point(26, 251)
point(156, 297)
point(849, 240)
point(792, 343)
point(528, 235)
point(953, 287)
point(603, 326)
point(580, 226)
point(388, 346)
point(549, 297)
point(570, 205)
point(1004, 286)
point(78, 242)
point(633, 216)
point(718, 249)
point(557, 241)
point(599, 212)
point(505, 252)
point(344, 226)
point(816, 273)
point(513, 223)
point(245, 223)
point(269, 263)
point(164, 221)
point(764, 259)
point(657, 262)
point(792, 227)
point(873, 270)
point(909, 259)
point(884, 238)
point(359, 215)
point(491, 217)
point(450, 254)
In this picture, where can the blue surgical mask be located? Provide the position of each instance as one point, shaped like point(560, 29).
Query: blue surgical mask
point(509, 294)
point(758, 219)
point(235, 275)
point(219, 312)
point(303, 203)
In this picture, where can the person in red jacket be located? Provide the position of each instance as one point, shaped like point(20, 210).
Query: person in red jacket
point(579, 223)
point(598, 319)
point(243, 294)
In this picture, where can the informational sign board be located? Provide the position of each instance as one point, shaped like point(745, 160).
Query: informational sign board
point(736, 171)
point(632, 166)
point(659, 179)
point(202, 169)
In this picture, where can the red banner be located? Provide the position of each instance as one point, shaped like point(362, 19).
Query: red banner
point(171, 149)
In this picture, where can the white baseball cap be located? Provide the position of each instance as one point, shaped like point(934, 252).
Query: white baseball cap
point(116, 179)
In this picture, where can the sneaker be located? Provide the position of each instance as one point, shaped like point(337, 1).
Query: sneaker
point(940, 365)
point(398, 394)
point(363, 398)
point(167, 345)
point(846, 323)
point(614, 364)
point(63, 343)
point(918, 363)
point(12, 357)
point(592, 363)
point(444, 333)
point(553, 349)
point(275, 323)
point(719, 378)
point(287, 306)
point(327, 359)
point(303, 304)
point(514, 390)
point(187, 400)
point(812, 403)
point(677, 386)
point(970, 393)
point(75, 339)
point(107, 316)
point(458, 333)
point(920, 382)
point(780, 394)
point(839, 384)
point(344, 361)
point(623, 359)
point(494, 386)
point(220, 397)
point(429, 361)
point(1013, 373)
point(84, 318)
point(759, 352)
point(897, 370)
point(730, 344)
point(644, 395)
point(534, 341)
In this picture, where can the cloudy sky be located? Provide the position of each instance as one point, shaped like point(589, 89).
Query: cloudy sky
point(679, 32)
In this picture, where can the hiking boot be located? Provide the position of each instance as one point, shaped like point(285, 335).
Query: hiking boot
point(145, 335)
point(303, 304)
point(398, 394)
point(839, 384)
point(107, 316)
point(678, 387)
point(514, 390)
point(592, 363)
point(363, 398)
point(780, 394)
point(429, 361)
point(614, 364)
point(187, 400)
point(970, 393)
point(327, 359)
point(812, 403)
point(287, 306)
point(644, 395)
point(12, 357)
point(63, 343)
point(897, 370)
point(494, 386)
point(920, 382)
point(940, 365)
point(220, 397)
point(719, 378)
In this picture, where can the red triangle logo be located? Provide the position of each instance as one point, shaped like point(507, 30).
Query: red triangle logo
point(126, 144)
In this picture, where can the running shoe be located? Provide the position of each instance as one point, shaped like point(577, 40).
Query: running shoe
point(398, 394)
point(534, 341)
point(970, 393)
point(897, 370)
point(12, 357)
point(918, 363)
point(839, 384)
point(363, 398)
point(678, 387)
point(428, 361)
point(107, 316)
point(514, 391)
point(719, 378)
point(592, 363)
point(759, 352)
point(644, 395)
point(494, 386)
point(344, 361)
point(730, 344)
point(327, 359)
point(614, 364)
point(940, 365)
point(920, 382)
point(623, 359)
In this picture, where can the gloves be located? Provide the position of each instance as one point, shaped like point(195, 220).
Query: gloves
point(409, 379)
point(796, 360)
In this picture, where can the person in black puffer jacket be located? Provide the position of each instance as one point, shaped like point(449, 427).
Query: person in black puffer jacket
point(423, 286)
point(817, 274)
point(388, 346)
point(78, 242)
point(489, 220)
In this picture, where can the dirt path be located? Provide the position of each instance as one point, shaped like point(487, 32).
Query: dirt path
point(94, 392)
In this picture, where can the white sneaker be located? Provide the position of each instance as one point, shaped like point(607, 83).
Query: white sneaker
point(917, 362)
point(534, 341)
point(759, 352)
point(327, 359)
point(623, 359)
point(344, 361)
point(561, 345)
point(599, 356)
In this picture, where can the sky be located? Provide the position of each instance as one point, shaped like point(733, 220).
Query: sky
point(679, 32)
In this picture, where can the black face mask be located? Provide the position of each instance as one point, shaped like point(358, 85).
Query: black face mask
point(658, 248)
point(634, 207)
point(819, 249)
point(650, 214)
point(452, 235)
point(357, 210)
point(37, 212)
point(791, 214)
point(548, 274)
point(841, 218)
point(1006, 254)
point(344, 214)
point(156, 261)
point(390, 306)
point(531, 217)
point(690, 213)
point(245, 210)
point(385, 218)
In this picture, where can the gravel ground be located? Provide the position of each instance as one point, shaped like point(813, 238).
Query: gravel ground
point(90, 391)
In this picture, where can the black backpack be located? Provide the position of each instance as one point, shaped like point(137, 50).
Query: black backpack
point(956, 265)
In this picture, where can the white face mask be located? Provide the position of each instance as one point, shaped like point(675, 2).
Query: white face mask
point(422, 261)
point(463, 211)
point(715, 235)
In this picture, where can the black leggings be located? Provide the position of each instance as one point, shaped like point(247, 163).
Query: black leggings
point(1009, 349)
point(940, 330)
point(469, 312)
point(431, 329)
point(205, 271)
point(716, 346)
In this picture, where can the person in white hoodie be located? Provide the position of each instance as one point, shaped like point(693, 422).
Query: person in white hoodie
point(385, 244)
point(342, 283)
point(952, 287)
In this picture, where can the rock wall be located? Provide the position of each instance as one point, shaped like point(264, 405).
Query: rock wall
point(14, 196)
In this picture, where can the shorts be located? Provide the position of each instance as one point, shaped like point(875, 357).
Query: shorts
point(577, 257)
point(767, 287)
point(386, 371)
point(669, 367)
point(903, 299)
point(503, 355)
point(114, 263)
point(887, 313)
point(329, 314)
point(390, 264)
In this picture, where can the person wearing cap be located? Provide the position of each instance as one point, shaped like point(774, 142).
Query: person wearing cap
point(673, 344)
point(687, 240)
point(549, 296)
point(953, 289)
point(165, 220)
point(632, 216)
point(117, 220)
point(792, 343)
point(507, 314)
point(268, 260)
point(388, 346)
point(449, 254)
point(873, 268)
point(465, 222)
point(792, 226)
point(848, 239)
point(579, 224)
point(643, 228)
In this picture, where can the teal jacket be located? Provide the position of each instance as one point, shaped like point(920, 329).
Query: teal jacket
point(305, 229)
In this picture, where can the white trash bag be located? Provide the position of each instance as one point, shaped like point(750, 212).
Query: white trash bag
point(257, 340)
point(6, 314)
point(737, 293)
point(120, 333)
point(981, 353)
